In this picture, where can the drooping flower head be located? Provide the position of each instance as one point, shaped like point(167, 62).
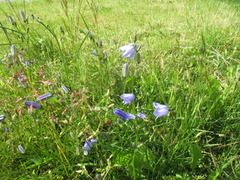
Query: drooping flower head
point(11, 20)
point(128, 51)
point(23, 16)
point(21, 149)
point(88, 144)
point(141, 115)
point(160, 110)
point(33, 104)
point(65, 89)
point(127, 98)
point(44, 97)
point(94, 53)
point(123, 115)
point(2, 117)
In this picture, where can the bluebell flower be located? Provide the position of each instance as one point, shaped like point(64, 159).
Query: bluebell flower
point(21, 149)
point(125, 116)
point(23, 16)
point(141, 115)
point(44, 97)
point(33, 104)
point(2, 117)
point(128, 51)
point(11, 20)
point(160, 110)
point(65, 89)
point(94, 53)
point(88, 144)
point(127, 98)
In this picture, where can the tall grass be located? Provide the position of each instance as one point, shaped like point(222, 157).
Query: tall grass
point(189, 61)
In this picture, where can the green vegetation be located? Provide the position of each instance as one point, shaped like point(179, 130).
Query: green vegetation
point(188, 59)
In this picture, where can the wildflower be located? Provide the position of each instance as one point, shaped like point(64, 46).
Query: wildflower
point(11, 20)
point(94, 53)
point(21, 149)
point(141, 115)
point(125, 116)
point(88, 145)
point(161, 110)
point(23, 16)
point(13, 49)
point(6, 130)
point(65, 89)
point(44, 97)
point(125, 70)
point(127, 98)
point(2, 117)
point(128, 50)
point(33, 104)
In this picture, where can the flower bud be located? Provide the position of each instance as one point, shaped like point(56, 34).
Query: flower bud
point(125, 70)
point(13, 49)
point(11, 20)
point(23, 16)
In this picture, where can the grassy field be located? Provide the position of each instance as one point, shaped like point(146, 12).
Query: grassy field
point(187, 58)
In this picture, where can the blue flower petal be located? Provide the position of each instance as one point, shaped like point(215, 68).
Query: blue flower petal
point(157, 105)
point(160, 109)
point(35, 105)
point(123, 115)
point(141, 115)
point(128, 50)
point(44, 97)
point(127, 98)
point(88, 144)
point(2, 117)
point(160, 112)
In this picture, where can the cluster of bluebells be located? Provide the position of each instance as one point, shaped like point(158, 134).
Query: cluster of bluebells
point(128, 51)
point(18, 57)
point(160, 109)
point(36, 105)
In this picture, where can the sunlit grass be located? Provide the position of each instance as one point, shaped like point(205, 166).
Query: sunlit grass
point(189, 61)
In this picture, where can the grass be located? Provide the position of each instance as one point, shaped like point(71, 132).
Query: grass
point(189, 61)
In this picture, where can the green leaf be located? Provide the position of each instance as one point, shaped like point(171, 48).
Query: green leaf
point(214, 175)
point(196, 155)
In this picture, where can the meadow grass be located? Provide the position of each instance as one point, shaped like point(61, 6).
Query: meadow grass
point(188, 59)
